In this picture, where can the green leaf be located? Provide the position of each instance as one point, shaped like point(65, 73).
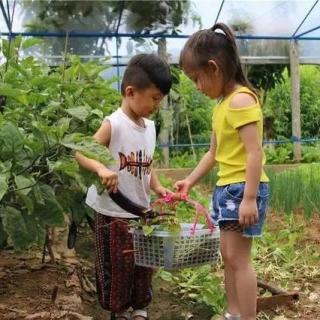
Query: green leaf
point(7, 49)
point(147, 230)
point(40, 133)
point(5, 166)
point(175, 228)
point(3, 185)
point(14, 225)
point(12, 139)
point(17, 94)
point(88, 146)
point(23, 183)
point(69, 166)
point(20, 69)
point(37, 194)
point(80, 113)
point(17, 42)
point(50, 213)
point(87, 179)
point(36, 232)
point(51, 109)
point(27, 201)
point(97, 112)
point(166, 276)
point(63, 126)
point(26, 44)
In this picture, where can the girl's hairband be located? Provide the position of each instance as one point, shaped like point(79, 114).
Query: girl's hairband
point(218, 30)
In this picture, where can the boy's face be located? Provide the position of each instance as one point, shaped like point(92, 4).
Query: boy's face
point(143, 102)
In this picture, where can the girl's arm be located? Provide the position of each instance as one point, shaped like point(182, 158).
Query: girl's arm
point(250, 138)
point(108, 178)
point(249, 134)
point(248, 211)
point(204, 166)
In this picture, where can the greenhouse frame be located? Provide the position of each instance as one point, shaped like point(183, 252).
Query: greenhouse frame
point(268, 32)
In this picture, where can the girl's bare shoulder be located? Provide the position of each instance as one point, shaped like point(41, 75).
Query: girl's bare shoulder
point(243, 100)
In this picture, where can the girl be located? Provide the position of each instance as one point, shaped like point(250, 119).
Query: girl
point(210, 59)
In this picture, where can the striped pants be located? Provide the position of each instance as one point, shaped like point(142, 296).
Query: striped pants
point(120, 283)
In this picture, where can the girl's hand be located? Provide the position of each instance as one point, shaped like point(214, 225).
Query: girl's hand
point(183, 186)
point(248, 212)
point(108, 178)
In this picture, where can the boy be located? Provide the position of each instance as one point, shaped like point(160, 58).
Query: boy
point(131, 138)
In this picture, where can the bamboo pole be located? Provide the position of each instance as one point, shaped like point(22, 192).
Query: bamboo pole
point(295, 100)
point(164, 135)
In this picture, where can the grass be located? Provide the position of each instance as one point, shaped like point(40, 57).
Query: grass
point(284, 256)
point(297, 188)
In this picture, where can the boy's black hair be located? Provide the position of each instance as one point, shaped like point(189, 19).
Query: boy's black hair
point(145, 70)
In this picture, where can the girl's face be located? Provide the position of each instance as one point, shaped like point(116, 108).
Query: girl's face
point(209, 82)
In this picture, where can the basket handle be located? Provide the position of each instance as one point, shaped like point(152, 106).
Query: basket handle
point(173, 198)
point(200, 209)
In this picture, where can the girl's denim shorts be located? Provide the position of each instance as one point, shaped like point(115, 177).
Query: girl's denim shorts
point(226, 202)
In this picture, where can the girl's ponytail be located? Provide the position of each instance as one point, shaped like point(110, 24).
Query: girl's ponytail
point(226, 31)
point(217, 43)
point(239, 73)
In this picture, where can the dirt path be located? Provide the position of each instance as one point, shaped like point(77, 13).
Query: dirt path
point(31, 290)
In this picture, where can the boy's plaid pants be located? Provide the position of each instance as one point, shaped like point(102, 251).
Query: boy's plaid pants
point(120, 283)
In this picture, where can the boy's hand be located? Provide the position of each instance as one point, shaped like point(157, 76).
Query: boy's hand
point(161, 191)
point(108, 178)
point(183, 186)
point(248, 212)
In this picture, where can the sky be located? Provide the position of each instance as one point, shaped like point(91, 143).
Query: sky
point(264, 17)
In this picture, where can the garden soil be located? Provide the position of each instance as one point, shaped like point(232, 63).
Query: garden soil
point(30, 289)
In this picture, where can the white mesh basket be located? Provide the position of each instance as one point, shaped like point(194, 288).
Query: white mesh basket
point(177, 250)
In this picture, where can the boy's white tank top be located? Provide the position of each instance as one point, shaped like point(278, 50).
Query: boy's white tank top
point(132, 148)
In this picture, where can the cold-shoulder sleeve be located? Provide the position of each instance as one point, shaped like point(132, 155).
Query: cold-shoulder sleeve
point(238, 117)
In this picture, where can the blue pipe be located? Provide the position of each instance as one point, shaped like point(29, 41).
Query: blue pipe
point(139, 35)
point(291, 140)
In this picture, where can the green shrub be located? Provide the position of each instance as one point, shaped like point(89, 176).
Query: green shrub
point(277, 109)
point(46, 114)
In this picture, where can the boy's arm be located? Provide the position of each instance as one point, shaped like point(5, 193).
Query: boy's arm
point(155, 184)
point(204, 166)
point(102, 136)
point(108, 178)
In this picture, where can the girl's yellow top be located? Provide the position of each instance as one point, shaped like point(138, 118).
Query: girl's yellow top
point(230, 152)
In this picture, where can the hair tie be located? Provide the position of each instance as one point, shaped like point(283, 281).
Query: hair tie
point(218, 30)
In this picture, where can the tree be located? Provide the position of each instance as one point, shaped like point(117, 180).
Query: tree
point(67, 16)
point(103, 16)
point(145, 17)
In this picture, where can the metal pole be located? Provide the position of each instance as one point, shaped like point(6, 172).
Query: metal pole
point(305, 18)
point(4, 15)
point(220, 9)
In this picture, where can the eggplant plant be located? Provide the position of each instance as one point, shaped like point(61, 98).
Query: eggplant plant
point(46, 114)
